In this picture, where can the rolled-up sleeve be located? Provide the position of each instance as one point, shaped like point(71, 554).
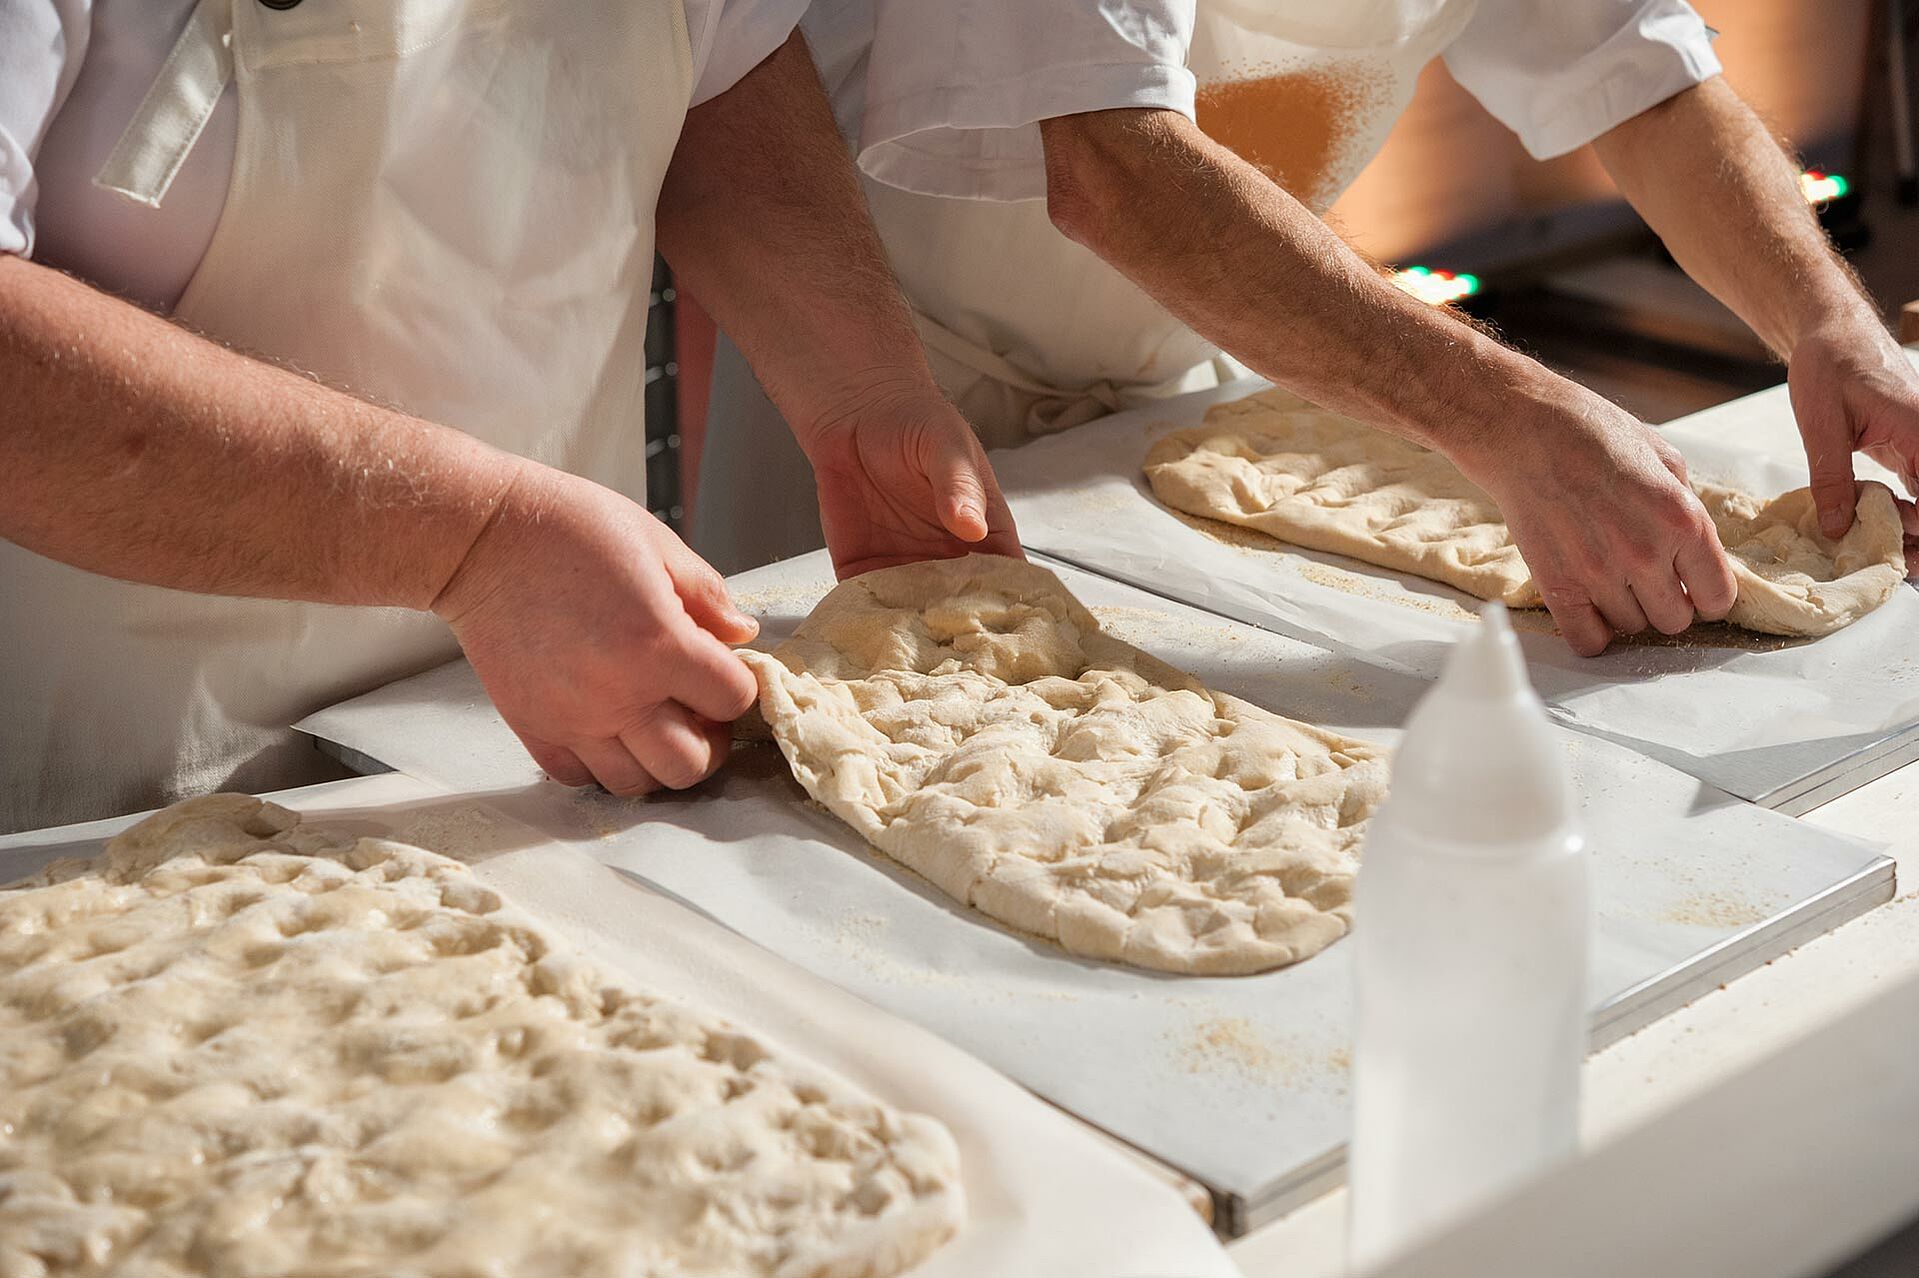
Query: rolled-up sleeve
point(955, 89)
point(42, 43)
point(1561, 72)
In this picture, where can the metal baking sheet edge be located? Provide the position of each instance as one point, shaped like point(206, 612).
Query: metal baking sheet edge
point(1623, 1014)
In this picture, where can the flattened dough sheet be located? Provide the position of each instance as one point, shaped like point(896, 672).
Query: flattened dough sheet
point(970, 719)
point(236, 1045)
point(1327, 483)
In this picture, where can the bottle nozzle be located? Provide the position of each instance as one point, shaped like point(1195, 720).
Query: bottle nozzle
point(1487, 663)
point(1479, 764)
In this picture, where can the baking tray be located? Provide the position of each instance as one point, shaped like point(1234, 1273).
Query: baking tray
point(1238, 1082)
point(1786, 724)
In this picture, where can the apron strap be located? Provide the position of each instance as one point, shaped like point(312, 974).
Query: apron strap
point(938, 337)
point(1044, 410)
point(175, 110)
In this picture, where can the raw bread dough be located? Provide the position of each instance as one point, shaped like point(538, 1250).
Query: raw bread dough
point(1795, 580)
point(972, 721)
point(235, 1047)
point(1328, 483)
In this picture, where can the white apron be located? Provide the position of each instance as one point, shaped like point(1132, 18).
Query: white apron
point(1028, 332)
point(1306, 90)
point(443, 205)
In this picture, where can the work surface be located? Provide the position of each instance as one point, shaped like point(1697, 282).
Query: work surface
point(1689, 1050)
point(1241, 1082)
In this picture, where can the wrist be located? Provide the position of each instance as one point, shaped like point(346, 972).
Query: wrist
point(880, 394)
point(1853, 330)
point(518, 497)
point(1505, 407)
point(1834, 315)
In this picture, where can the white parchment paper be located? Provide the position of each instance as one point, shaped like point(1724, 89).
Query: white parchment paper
point(1736, 716)
point(1044, 1197)
point(1239, 1081)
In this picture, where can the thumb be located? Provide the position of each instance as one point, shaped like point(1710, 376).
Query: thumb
point(1828, 439)
point(957, 470)
point(703, 594)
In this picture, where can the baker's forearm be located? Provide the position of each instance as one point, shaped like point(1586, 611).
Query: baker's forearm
point(133, 448)
point(1712, 182)
point(762, 219)
point(1252, 269)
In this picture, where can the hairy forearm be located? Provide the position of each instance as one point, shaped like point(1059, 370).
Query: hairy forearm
point(761, 218)
point(133, 448)
point(1723, 195)
point(1253, 270)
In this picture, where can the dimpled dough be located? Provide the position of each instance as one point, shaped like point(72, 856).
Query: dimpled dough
point(1328, 483)
point(972, 721)
point(234, 1047)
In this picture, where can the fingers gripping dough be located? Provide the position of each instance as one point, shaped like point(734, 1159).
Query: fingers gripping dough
point(972, 721)
point(1328, 483)
point(237, 1048)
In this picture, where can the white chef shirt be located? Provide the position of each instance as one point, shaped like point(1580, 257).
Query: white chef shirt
point(949, 98)
point(73, 72)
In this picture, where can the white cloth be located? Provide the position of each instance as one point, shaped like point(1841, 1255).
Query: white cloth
point(445, 204)
point(949, 101)
point(1309, 90)
point(72, 73)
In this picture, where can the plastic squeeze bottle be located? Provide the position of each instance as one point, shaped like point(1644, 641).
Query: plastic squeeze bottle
point(1470, 938)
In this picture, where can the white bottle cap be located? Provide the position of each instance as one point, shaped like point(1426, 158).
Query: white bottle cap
point(1479, 767)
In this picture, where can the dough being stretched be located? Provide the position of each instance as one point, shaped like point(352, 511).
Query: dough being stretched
point(1328, 483)
point(237, 1047)
point(972, 721)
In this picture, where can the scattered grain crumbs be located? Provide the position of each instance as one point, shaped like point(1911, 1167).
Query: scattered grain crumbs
point(1715, 909)
point(1344, 682)
point(1364, 588)
point(1105, 499)
point(464, 832)
point(1712, 634)
point(1231, 1044)
point(796, 598)
point(1230, 534)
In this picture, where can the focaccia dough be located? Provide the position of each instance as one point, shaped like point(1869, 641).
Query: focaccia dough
point(1328, 483)
point(235, 1047)
point(972, 721)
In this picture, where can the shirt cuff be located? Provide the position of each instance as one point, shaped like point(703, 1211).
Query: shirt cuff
point(1635, 71)
point(982, 142)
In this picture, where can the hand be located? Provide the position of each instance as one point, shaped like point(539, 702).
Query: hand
point(1854, 390)
point(1601, 510)
point(903, 478)
point(600, 637)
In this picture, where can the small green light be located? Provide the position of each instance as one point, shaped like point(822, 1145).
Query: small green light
point(1419, 270)
point(1470, 283)
point(1839, 185)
